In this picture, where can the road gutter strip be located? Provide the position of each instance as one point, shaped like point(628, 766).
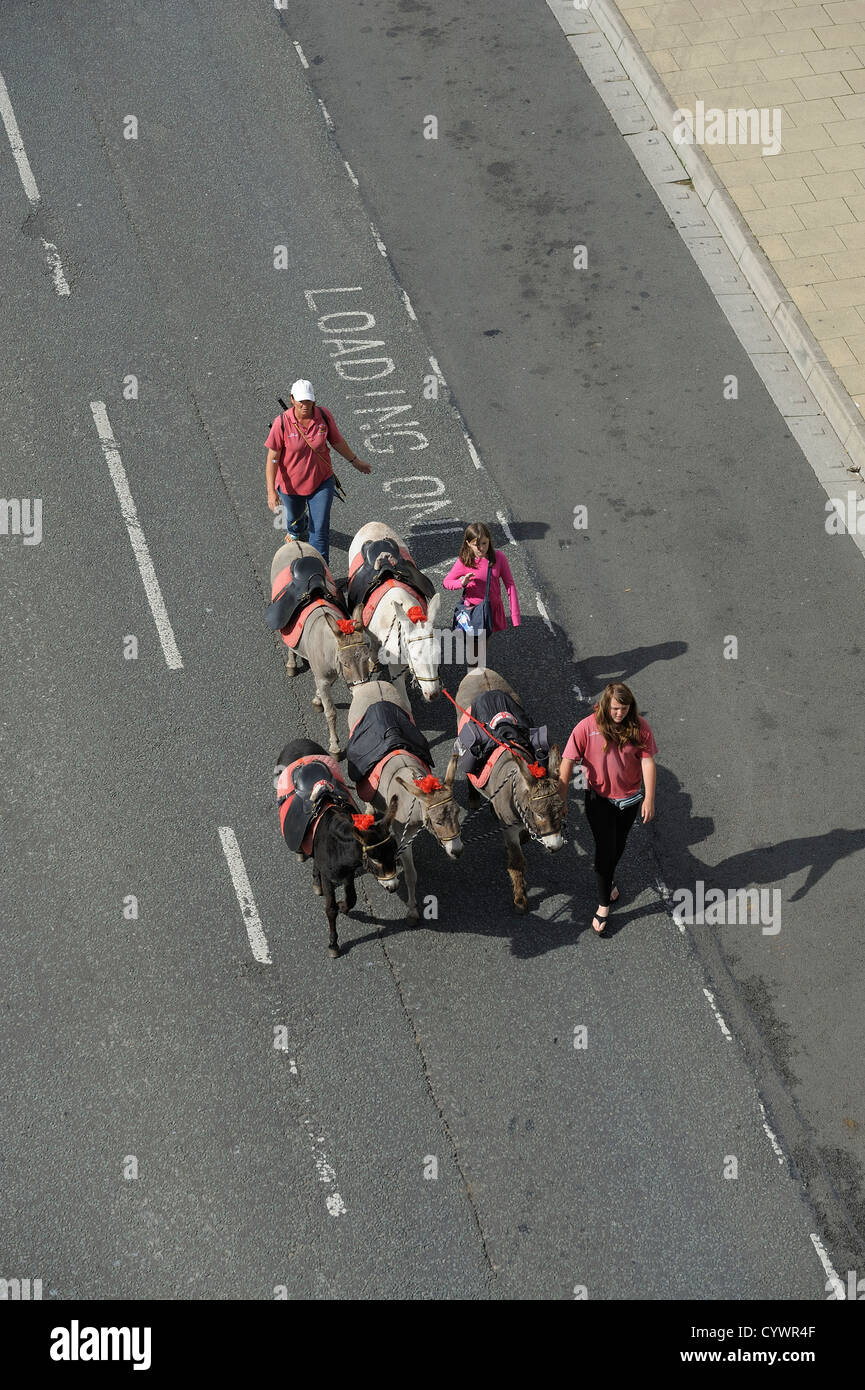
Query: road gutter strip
point(817, 408)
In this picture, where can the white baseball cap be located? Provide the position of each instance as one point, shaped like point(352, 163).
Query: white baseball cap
point(302, 391)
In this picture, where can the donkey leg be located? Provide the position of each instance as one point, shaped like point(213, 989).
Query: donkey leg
point(516, 866)
point(330, 909)
point(291, 664)
point(316, 880)
point(349, 897)
point(330, 715)
point(410, 874)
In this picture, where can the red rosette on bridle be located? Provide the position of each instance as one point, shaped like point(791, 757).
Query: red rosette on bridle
point(536, 770)
point(430, 783)
point(346, 625)
point(416, 614)
point(363, 822)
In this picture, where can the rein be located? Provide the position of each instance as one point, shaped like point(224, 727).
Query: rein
point(512, 779)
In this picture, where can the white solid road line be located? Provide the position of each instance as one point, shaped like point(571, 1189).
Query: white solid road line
point(827, 1265)
point(136, 536)
point(243, 889)
point(17, 144)
point(300, 53)
point(30, 186)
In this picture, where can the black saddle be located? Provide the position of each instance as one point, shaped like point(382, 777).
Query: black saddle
point(392, 566)
point(314, 791)
point(308, 581)
point(505, 718)
point(384, 728)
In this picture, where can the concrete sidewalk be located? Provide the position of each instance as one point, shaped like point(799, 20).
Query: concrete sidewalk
point(804, 205)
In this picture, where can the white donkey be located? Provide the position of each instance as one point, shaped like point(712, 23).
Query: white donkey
point(434, 810)
point(330, 651)
point(405, 645)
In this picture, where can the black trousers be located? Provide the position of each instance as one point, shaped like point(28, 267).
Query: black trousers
point(610, 827)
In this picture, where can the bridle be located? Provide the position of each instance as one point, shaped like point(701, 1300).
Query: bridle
point(415, 679)
point(357, 640)
point(426, 807)
point(539, 795)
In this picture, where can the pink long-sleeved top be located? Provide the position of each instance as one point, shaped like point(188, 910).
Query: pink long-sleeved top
point(474, 590)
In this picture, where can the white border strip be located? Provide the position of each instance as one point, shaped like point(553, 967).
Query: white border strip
point(300, 53)
point(136, 536)
point(243, 889)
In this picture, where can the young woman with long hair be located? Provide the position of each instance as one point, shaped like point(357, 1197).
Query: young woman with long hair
point(617, 749)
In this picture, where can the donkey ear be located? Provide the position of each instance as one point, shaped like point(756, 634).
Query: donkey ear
point(451, 772)
point(555, 761)
point(400, 608)
point(332, 623)
point(409, 787)
point(357, 614)
point(433, 609)
point(392, 808)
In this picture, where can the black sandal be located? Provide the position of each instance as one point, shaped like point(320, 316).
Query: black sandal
point(605, 920)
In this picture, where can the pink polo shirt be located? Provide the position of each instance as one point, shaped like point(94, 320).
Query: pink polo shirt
point(616, 773)
point(303, 458)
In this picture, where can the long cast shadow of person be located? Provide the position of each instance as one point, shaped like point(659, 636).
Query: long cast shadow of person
point(762, 865)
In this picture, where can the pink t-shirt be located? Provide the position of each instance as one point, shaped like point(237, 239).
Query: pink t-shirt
point(303, 458)
point(616, 773)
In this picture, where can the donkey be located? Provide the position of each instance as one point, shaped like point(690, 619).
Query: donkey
point(406, 643)
point(342, 843)
point(405, 779)
point(324, 644)
point(526, 805)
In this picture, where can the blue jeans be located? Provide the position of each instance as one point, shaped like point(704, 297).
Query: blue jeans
point(319, 504)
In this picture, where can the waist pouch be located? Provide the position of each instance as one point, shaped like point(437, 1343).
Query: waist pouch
point(621, 802)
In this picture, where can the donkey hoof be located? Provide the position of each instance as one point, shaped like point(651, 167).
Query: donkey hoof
point(412, 917)
point(317, 890)
point(316, 702)
point(301, 858)
point(522, 906)
point(333, 952)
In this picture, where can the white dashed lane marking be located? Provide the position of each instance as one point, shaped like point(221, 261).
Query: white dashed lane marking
point(828, 1267)
point(136, 536)
point(52, 255)
point(718, 1018)
point(323, 1166)
point(243, 889)
point(300, 53)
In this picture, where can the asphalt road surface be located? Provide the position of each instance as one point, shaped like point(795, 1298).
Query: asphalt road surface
point(418, 1119)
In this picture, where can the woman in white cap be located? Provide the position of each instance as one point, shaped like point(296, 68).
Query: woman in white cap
point(299, 472)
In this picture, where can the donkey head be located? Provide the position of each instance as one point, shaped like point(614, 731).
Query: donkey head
point(354, 655)
point(441, 814)
point(538, 801)
point(378, 846)
point(419, 645)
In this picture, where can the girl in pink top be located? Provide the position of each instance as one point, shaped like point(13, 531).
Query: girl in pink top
point(470, 574)
point(617, 748)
